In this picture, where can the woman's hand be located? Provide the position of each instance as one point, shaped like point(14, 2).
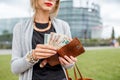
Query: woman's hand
point(43, 51)
point(67, 61)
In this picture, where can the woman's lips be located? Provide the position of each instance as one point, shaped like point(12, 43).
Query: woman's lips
point(48, 4)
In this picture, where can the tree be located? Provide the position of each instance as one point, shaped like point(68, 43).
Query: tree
point(113, 33)
point(5, 32)
point(6, 40)
point(6, 36)
point(118, 39)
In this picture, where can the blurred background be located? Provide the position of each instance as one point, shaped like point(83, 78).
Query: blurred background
point(95, 22)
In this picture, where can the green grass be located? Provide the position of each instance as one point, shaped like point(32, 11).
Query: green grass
point(5, 71)
point(101, 64)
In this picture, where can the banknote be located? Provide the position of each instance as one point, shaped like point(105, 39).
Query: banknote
point(56, 40)
point(46, 38)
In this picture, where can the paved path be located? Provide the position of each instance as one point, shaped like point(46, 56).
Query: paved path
point(5, 51)
point(99, 47)
point(8, 51)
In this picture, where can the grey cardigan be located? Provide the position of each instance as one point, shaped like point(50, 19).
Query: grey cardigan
point(22, 44)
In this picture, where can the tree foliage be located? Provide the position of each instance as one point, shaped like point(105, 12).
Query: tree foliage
point(113, 34)
point(5, 40)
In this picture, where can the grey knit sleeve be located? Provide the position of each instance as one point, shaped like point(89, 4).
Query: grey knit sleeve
point(19, 64)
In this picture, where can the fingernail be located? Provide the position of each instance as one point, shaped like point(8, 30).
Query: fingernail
point(54, 52)
point(41, 65)
point(65, 56)
point(71, 56)
point(60, 57)
point(55, 48)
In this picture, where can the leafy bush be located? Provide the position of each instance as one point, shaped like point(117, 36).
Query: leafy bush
point(6, 40)
point(95, 42)
point(6, 45)
point(118, 40)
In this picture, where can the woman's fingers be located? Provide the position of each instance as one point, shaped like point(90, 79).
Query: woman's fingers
point(43, 63)
point(63, 61)
point(67, 60)
point(73, 58)
point(43, 55)
point(44, 51)
point(40, 50)
point(46, 47)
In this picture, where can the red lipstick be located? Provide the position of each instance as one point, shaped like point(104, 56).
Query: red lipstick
point(49, 4)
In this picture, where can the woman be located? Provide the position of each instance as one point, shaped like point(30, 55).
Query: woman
point(28, 49)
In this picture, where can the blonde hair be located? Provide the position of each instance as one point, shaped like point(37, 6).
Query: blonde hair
point(53, 13)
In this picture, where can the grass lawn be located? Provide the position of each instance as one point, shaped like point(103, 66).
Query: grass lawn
point(101, 64)
point(5, 71)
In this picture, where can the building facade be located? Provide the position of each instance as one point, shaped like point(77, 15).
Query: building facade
point(84, 20)
point(8, 24)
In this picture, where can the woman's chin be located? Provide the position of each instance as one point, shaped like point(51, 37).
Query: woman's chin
point(47, 9)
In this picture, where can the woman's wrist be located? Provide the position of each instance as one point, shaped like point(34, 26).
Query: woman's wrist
point(34, 56)
point(30, 58)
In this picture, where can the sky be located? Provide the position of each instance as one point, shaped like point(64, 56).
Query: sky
point(110, 12)
point(14, 8)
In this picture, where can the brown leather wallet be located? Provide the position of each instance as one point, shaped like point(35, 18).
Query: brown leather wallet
point(53, 60)
point(74, 48)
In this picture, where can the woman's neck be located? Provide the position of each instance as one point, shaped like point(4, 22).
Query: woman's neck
point(41, 17)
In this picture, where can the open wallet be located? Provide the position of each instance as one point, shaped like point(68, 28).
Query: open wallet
point(73, 48)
